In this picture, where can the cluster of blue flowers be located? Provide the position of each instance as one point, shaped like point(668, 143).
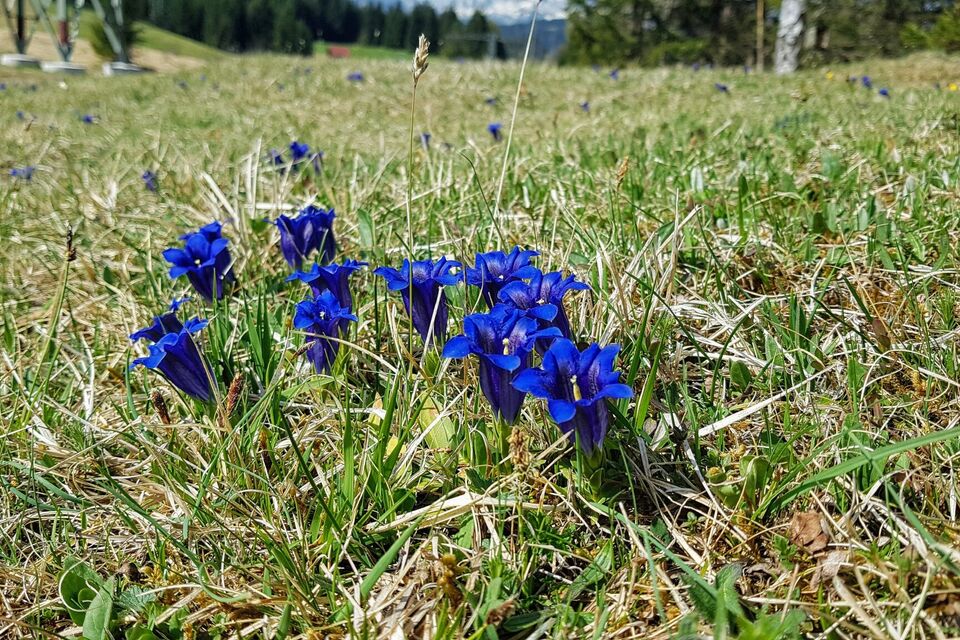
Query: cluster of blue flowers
point(300, 155)
point(525, 321)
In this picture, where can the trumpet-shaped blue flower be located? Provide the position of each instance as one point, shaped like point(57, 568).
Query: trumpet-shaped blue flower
point(311, 229)
point(88, 119)
point(324, 320)
point(722, 88)
point(866, 82)
point(425, 140)
point(162, 324)
point(502, 340)
point(495, 130)
point(149, 180)
point(331, 277)
point(884, 92)
point(585, 106)
point(542, 296)
point(204, 259)
point(23, 173)
point(496, 269)
point(428, 279)
point(176, 356)
point(356, 76)
point(576, 386)
point(615, 74)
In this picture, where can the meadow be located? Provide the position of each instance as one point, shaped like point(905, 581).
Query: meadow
point(775, 257)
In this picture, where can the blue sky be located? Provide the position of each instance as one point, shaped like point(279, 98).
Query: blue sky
point(500, 10)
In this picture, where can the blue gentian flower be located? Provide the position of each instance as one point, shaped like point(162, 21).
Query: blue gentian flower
point(3, 86)
point(502, 340)
point(722, 88)
point(884, 92)
point(149, 180)
point(324, 320)
point(311, 229)
point(495, 269)
point(21, 115)
point(331, 277)
point(356, 76)
point(866, 82)
point(576, 386)
point(425, 140)
point(162, 324)
point(176, 356)
point(695, 66)
point(540, 296)
point(428, 279)
point(491, 101)
point(615, 74)
point(298, 151)
point(23, 173)
point(585, 106)
point(204, 259)
point(276, 157)
point(494, 129)
point(88, 119)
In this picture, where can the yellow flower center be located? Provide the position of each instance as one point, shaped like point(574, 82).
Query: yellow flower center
point(506, 346)
point(576, 389)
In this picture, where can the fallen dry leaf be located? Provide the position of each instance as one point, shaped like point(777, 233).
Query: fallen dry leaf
point(806, 532)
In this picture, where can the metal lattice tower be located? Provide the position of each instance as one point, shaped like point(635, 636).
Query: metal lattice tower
point(61, 20)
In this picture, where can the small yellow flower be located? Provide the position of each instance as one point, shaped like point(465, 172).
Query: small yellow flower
point(952, 86)
point(829, 75)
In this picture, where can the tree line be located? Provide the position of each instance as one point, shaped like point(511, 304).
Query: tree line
point(724, 32)
point(292, 26)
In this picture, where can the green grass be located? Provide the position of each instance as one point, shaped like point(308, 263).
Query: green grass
point(157, 39)
point(152, 37)
point(362, 52)
point(778, 265)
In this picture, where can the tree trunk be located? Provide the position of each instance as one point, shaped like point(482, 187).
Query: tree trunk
point(788, 36)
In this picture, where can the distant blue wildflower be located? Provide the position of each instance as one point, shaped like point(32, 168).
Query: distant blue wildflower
point(21, 115)
point(884, 92)
point(495, 269)
point(298, 151)
point(695, 66)
point(176, 356)
point(425, 140)
point(502, 340)
point(149, 180)
point(538, 295)
point(494, 129)
point(491, 101)
point(3, 86)
point(585, 106)
point(204, 259)
point(162, 324)
point(276, 157)
point(722, 88)
point(88, 119)
point(23, 173)
point(311, 230)
point(356, 76)
point(182, 84)
point(324, 320)
point(615, 74)
point(576, 386)
point(866, 82)
point(427, 296)
point(331, 277)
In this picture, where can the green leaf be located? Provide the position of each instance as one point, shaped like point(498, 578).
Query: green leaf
point(365, 225)
point(140, 632)
point(78, 587)
point(594, 573)
point(740, 375)
point(96, 622)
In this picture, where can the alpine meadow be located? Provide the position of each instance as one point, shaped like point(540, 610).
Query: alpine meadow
point(426, 348)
